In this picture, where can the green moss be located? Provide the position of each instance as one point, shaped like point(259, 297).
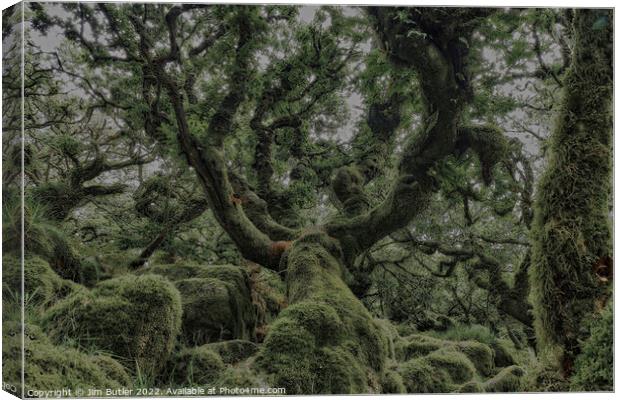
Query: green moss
point(272, 290)
point(234, 351)
point(50, 367)
point(195, 366)
point(479, 354)
point(136, 318)
point(594, 366)
point(509, 379)
point(454, 364)
point(416, 346)
point(464, 332)
point(502, 353)
point(471, 387)
point(545, 377)
point(392, 383)
point(215, 310)
point(217, 303)
point(325, 341)
point(571, 230)
point(421, 377)
point(41, 284)
point(113, 369)
point(237, 377)
point(391, 334)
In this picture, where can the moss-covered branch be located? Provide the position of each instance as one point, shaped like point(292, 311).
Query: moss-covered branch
point(430, 42)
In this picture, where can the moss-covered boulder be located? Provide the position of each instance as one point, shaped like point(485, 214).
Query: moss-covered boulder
point(479, 354)
point(195, 366)
point(41, 284)
point(502, 353)
point(456, 365)
point(136, 318)
point(471, 387)
point(215, 310)
point(325, 341)
point(234, 351)
point(509, 379)
point(392, 383)
point(217, 301)
point(421, 377)
point(50, 367)
point(238, 378)
point(113, 369)
point(416, 346)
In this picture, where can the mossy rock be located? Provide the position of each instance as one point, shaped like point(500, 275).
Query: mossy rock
point(502, 354)
point(195, 366)
point(41, 283)
point(471, 387)
point(392, 383)
point(416, 346)
point(113, 369)
point(234, 351)
point(215, 310)
point(509, 379)
point(391, 334)
point(479, 354)
point(421, 377)
point(217, 303)
point(238, 377)
point(50, 367)
point(454, 364)
point(135, 318)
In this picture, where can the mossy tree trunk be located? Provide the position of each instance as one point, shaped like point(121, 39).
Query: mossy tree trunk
point(571, 229)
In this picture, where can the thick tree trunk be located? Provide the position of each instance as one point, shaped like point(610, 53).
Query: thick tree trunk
point(325, 341)
point(571, 230)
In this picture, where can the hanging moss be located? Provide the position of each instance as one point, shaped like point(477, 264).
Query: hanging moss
point(594, 366)
point(571, 230)
point(272, 290)
point(135, 318)
point(325, 341)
